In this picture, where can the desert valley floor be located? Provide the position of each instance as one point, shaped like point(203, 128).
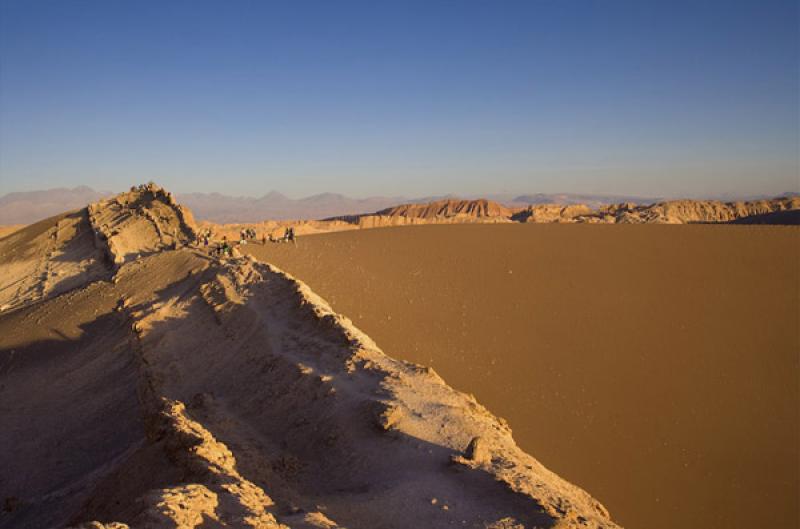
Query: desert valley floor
point(147, 383)
point(656, 366)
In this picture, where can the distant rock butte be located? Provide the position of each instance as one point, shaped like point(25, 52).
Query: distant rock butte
point(479, 208)
point(184, 390)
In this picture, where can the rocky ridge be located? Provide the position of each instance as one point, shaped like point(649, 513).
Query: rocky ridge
point(75, 248)
point(260, 406)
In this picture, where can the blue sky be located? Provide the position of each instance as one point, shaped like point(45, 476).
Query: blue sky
point(679, 98)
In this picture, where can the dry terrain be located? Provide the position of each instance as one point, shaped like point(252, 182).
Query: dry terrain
point(657, 366)
point(145, 383)
point(781, 210)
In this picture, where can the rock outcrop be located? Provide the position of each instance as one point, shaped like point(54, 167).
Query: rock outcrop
point(696, 211)
point(144, 220)
point(548, 213)
point(480, 208)
point(73, 249)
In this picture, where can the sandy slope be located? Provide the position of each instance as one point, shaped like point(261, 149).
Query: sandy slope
point(47, 258)
point(68, 407)
point(655, 365)
point(76, 248)
point(187, 391)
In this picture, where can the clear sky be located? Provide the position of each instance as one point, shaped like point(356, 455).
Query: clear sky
point(657, 98)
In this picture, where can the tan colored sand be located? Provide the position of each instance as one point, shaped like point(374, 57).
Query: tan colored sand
point(183, 391)
point(657, 366)
point(48, 258)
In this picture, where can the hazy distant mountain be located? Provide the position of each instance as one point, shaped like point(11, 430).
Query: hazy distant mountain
point(31, 206)
point(26, 207)
point(275, 206)
point(573, 198)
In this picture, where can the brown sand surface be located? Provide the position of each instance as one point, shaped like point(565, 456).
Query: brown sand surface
point(68, 403)
point(157, 386)
point(656, 366)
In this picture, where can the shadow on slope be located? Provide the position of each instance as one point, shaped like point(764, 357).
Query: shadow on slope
point(786, 218)
point(69, 409)
point(49, 258)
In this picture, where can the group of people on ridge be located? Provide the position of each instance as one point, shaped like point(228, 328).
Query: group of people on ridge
point(245, 234)
point(225, 248)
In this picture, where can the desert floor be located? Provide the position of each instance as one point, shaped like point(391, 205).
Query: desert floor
point(656, 366)
point(172, 389)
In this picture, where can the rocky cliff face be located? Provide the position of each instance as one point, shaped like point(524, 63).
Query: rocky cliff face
point(692, 211)
point(548, 213)
point(478, 209)
point(669, 212)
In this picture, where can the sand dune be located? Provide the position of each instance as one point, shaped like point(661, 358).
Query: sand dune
point(173, 389)
point(654, 365)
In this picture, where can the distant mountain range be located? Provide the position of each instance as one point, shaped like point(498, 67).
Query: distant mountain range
point(567, 199)
point(276, 206)
point(30, 206)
